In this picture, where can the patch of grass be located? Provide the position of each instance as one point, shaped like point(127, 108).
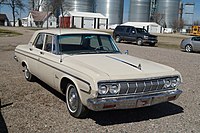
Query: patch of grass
point(8, 33)
point(169, 46)
point(35, 29)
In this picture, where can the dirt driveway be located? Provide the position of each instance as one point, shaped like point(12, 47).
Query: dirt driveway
point(28, 107)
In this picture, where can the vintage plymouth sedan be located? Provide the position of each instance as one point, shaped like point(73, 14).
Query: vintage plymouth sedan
point(89, 69)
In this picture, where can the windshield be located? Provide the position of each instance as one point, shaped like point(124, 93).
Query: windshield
point(87, 44)
point(140, 30)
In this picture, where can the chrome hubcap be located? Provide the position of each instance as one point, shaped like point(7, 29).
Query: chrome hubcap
point(188, 48)
point(72, 99)
point(26, 72)
point(139, 42)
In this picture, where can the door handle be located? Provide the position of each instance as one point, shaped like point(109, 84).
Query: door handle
point(30, 49)
point(41, 52)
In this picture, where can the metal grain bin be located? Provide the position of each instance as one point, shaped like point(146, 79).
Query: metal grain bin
point(79, 5)
point(113, 9)
point(170, 11)
point(139, 10)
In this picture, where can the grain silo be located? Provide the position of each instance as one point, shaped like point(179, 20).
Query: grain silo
point(113, 9)
point(79, 5)
point(169, 9)
point(139, 10)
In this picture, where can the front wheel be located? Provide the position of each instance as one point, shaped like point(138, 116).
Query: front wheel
point(139, 42)
point(74, 105)
point(188, 48)
point(28, 75)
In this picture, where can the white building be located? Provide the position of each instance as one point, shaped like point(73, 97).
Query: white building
point(151, 27)
point(83, 20)
point(41, 19)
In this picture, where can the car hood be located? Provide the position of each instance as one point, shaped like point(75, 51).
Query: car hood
point(117, 66)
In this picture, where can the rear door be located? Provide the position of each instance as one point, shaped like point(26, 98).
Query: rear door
point(35, 50)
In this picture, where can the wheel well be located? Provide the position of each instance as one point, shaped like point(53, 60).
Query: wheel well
point(23, 64)
point(187, 45)
point(139, 38)
point(64, 82)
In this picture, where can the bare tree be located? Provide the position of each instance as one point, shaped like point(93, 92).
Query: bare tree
point(197, 22)
point(177, 25)
point(14, 5)
point(159, 19)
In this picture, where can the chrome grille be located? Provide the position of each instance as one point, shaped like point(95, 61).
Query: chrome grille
point(137, 87)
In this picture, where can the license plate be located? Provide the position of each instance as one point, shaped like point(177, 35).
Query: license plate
point(143, 102)
point(157, 100)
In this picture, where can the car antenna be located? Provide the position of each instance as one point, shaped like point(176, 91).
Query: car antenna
point(60, 48)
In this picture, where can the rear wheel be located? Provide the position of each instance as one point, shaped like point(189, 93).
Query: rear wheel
point(28, 75)
point(139, 42)
point(74, 105)
point(188, 48)
point(118, 39)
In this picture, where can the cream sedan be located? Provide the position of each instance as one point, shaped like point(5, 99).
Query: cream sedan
point(90, 70)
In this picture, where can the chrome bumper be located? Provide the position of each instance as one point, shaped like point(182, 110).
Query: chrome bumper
point(127, 102)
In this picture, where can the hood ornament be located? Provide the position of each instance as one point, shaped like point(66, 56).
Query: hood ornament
point(140, 66)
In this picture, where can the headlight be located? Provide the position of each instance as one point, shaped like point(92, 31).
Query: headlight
point(167, 83)
point(114, 89)
point(146, 37)
point(173, 82)
point(176, 82)
point(103, 89)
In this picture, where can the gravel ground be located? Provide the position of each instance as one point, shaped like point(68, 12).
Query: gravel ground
point(28, 107)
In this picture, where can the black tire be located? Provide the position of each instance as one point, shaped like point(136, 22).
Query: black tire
point(139, 42)
point(28, 75)
point(74, 104)
point(118, 39)
point(188, 48)
point(152, 44)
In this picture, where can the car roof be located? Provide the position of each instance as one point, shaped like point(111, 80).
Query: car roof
point(70, 31)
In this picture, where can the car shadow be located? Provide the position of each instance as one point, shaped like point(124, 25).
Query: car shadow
point(3, 126)
point(51, 90)
point(112, 117)
point(133, 43)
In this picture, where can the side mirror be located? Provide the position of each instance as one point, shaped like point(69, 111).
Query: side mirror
point(126, 52)
point(133, 32)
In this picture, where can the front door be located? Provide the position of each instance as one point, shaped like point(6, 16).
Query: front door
point(196, 43)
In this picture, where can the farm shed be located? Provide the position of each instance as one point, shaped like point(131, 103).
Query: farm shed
point(86, 20)
point(151, 27)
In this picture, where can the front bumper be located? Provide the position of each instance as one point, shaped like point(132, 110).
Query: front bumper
point(133, 101)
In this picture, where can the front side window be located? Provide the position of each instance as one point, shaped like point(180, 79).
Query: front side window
point(196, 38)
point(140, 30)
point(39, 42)
point(48, 43)
point(87, 44)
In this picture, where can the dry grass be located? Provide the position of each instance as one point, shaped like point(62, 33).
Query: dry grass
point(8, 33)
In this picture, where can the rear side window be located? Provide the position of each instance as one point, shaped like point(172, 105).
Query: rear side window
point(39, 42)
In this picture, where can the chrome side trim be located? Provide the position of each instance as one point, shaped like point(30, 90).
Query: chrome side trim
point(60, 71)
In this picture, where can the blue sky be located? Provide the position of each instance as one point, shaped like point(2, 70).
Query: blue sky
point(7, 10)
